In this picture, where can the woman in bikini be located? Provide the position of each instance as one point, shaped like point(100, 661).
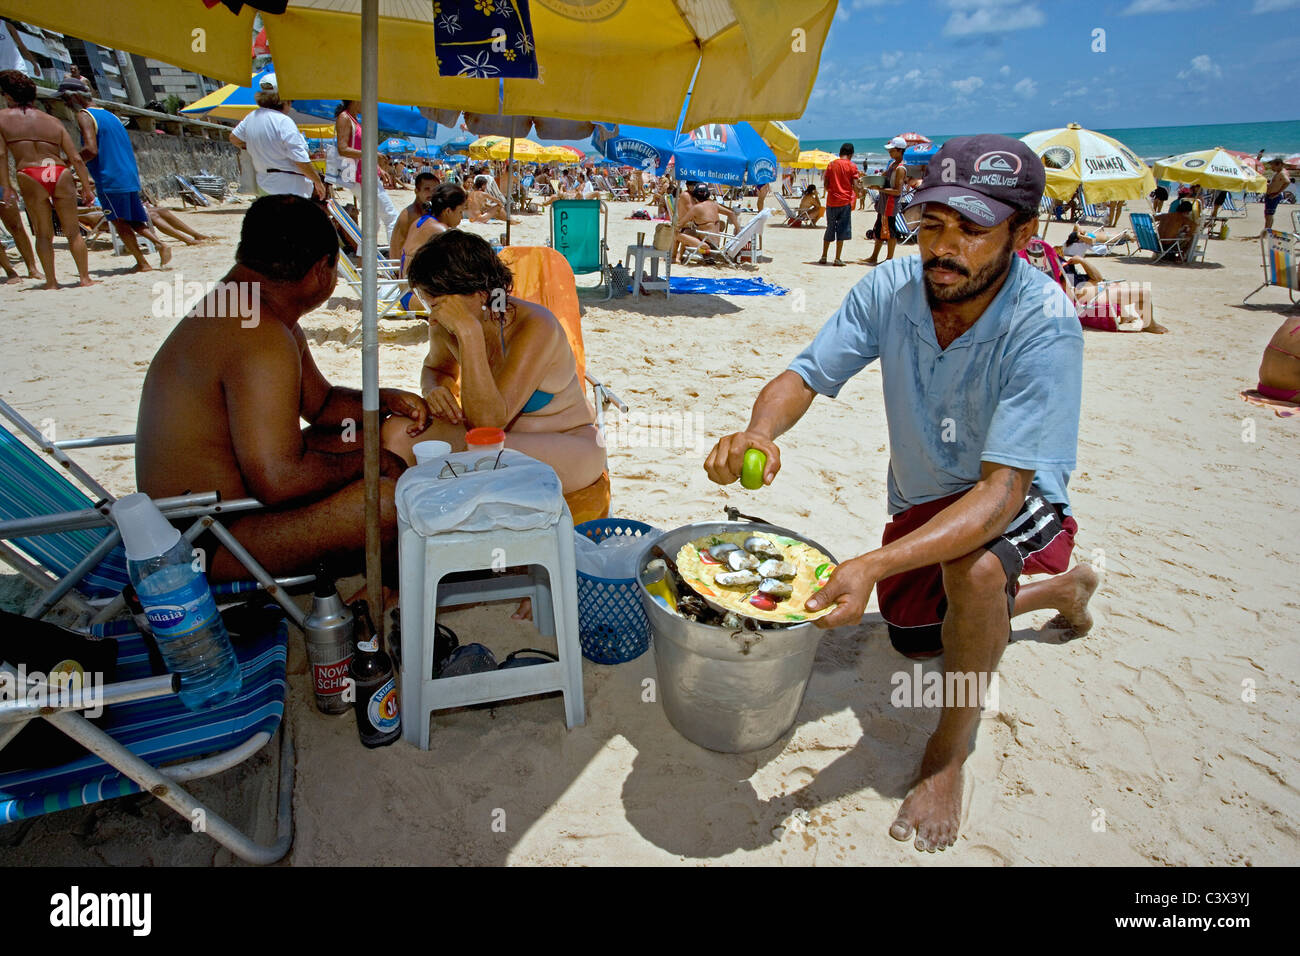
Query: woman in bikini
point(42, 151)
point(496, 361)
point(1279, 371)
point(445, 211)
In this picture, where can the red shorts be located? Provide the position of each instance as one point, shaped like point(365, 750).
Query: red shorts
point(1038, 541)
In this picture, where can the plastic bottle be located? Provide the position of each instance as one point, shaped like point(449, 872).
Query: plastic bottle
point(178, 604)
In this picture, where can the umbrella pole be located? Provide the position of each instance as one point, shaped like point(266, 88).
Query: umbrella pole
point(369, 301)
point(510, 176)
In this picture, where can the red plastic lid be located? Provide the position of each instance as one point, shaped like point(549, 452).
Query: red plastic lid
point(485, 436)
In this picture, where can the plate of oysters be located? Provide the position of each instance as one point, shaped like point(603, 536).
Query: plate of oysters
point(756, 574)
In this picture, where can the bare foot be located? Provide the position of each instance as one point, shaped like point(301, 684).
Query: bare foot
point(932, 809)
point(164, 254)
point(50, 284)
point(1157, 328)
point(142, 266)
point(524, 612)
point(1075, 618)
point(87, 281)
point(13, 279)
point(389, 598)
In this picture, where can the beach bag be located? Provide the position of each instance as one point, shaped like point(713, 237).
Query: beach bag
point(663, 236)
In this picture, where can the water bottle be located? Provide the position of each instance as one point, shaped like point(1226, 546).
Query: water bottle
point(178, 604)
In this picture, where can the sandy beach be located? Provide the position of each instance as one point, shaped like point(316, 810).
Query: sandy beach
point(1160, 738)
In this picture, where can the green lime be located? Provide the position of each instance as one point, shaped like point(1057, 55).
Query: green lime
point(751, 472)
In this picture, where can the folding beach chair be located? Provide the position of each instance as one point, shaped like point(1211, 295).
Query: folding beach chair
point(1280, 252)
point(1148, 240)
point(60, 540)
point(190, 195)
point(1092, 213)
point(396, 299)
point(742, 247)
point(350, 228)
point(1231, 209)
point(576, 233)
point(793, 217)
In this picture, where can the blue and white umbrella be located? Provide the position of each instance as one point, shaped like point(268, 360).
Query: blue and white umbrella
point(406, 120)
point(715, 153)
point(429, 152)
point(397, 145)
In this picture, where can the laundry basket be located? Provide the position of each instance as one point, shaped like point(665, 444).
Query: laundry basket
point(612, 626)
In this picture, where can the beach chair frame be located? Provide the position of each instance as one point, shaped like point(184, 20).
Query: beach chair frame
point(1280, 257)
point(792, 216)
point(743, 246)
point(1148, 240)
point(558, 208)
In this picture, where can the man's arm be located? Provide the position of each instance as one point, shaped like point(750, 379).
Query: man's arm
point(70, 150)
point(397, 238)
point(89, 136)
point(236, 141)
point(779, 406)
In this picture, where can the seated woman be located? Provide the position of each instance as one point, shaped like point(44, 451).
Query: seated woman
point(446, 210)
point(1279, 370)
point(496, 361)
point(1111, 306)
point(812, 205)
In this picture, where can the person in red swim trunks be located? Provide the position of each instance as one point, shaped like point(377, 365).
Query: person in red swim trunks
point(42, 151)
point(1279, 370)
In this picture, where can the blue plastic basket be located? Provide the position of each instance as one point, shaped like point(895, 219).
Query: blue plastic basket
point(612, 626)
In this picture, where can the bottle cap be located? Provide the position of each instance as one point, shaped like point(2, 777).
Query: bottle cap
point(324, 583)
point(485, 436)
point(145, 532)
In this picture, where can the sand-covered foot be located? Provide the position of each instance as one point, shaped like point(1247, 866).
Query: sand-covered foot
point(1157, 328)
point(142, 266)
point(164, 254)
point(13, 279)
point(932, 810)
point(1075, 618)
point(524, 612)
point(87, 281)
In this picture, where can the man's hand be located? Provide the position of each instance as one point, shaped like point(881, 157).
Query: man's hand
point(442, 403)
point(407, 404)
point(390, 465)
point(728, 456)
point(850, 587)
point(318, 188)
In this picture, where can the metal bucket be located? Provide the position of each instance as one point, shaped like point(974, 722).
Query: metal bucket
point(728, 690)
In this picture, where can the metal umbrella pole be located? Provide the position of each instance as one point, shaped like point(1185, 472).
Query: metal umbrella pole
point(370, 421)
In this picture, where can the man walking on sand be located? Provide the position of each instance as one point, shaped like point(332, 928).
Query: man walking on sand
point(838, 179)
point(108, 154)
point(887, 201)
point(982, 364)
point(1276, 187)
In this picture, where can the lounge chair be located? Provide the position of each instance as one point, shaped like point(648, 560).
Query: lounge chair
point(793, 217)
point(1280, 253)
point(190, 195)
point(349, 226)
point(1148, 239)
point(68, 546)
point(1093, 213)
point(742, 247)
point(395, 299)
point(576, 233)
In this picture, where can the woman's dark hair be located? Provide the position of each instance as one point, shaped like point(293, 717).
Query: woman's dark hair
point(447, 196)
point(810, 188)
point(282, 237)
point(338, 109)
point(458, 263)
point(19, 85)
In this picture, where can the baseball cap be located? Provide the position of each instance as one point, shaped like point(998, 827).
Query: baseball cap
point(985, 178)
point(269, 84)
point(896, 143)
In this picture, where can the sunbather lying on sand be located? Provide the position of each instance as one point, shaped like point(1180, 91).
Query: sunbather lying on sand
point(1094, 242)
point(496, 361)
point(1279, 370)
point(226, 393)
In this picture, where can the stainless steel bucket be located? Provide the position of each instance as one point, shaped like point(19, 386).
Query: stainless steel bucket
point(726, 689)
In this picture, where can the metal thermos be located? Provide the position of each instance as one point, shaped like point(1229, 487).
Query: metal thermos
point(329, 629)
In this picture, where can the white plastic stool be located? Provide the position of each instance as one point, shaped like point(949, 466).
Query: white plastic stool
point(551, 581)
point(639, 254)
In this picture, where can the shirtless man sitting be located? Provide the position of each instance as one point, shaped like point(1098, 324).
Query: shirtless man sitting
point(224, 395)
point(704, 214)
point(425, 183)
point(482, 205)
point(1178, 227)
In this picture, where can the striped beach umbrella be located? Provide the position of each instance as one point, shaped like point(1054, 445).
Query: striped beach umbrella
point(1078, 158)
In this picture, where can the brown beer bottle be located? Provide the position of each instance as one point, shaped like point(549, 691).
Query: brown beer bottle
point(379, 718)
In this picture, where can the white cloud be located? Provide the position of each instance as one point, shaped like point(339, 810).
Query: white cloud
point(1272, 6)
point(1138, 7)
point(1005, 70)
point(890, 59)
point(968, 85)
point(991, 16)
point(911, 76)
point(1201, 71)
point(1026, 88)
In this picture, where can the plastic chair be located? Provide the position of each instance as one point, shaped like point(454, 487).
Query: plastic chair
point(576, 233)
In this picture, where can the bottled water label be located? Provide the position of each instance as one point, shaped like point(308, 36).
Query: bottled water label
point(178, 612)
point(382, 708)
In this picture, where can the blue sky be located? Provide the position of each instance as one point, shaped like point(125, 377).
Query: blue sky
point(965, 66)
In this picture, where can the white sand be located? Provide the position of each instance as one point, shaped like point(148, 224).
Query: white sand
point(1140, 726)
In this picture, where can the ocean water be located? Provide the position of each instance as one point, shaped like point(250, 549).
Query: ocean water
point(1149, 142)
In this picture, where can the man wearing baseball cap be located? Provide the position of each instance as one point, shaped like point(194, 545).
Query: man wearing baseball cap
point(887, 200)
point(981, 359)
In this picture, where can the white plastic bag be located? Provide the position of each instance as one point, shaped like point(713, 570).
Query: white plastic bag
point(613, 558)
point(522, 494)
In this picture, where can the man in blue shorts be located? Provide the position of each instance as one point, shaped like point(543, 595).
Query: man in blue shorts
point(106, 148)
point(981, 358)
point(839, 178)
point(1276, 187)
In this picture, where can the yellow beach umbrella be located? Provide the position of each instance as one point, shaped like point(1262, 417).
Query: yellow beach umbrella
point(1105, 168)
point(479, 148)
point(219, 105)
point(782, 139)
point(526, 151)
point(812, 159)
point(321, 131)
point(1212, 168)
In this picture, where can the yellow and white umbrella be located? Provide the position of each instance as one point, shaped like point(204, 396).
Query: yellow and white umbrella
point(782, 139)
point(1105, 168)
point(812, 159)
point(1212, 168)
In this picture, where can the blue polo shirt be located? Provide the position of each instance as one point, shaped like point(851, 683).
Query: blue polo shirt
point(1007, 390)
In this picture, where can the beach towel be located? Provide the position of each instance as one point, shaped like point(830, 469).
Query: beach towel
point(703, 285)
point(1280, 407)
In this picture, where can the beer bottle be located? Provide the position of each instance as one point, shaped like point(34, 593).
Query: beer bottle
point(379, 719)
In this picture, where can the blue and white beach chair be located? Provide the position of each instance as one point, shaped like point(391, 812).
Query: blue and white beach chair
point(1144, 228)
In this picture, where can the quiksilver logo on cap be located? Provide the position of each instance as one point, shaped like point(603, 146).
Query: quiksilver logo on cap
point(972, 207)
point(997, 168)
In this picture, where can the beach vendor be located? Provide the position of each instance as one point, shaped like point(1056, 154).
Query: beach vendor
point(226, 394)
point(981, 358)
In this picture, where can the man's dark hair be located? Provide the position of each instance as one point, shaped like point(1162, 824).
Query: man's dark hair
point(19, 85)
point(447, 196)
point(846, 149)
point(1184, 205)
point(282, 237)
point(458, 263)
point(700, 192)
point(424, 176)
